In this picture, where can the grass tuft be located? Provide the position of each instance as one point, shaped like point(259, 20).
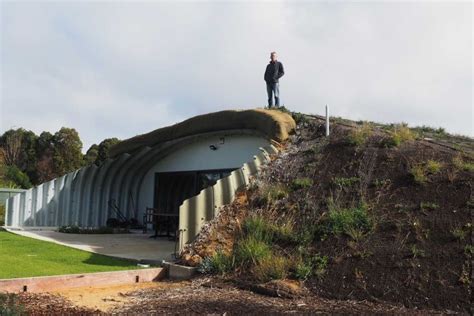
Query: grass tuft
point(250, 251)
point(353, 222)
point(273, 267)
point(259, 228)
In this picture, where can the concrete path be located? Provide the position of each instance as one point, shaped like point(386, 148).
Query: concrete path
point(135, 245)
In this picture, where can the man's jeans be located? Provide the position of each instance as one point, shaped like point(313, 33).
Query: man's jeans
point(273, 89)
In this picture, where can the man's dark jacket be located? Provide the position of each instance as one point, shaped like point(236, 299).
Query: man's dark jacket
point(274, 72)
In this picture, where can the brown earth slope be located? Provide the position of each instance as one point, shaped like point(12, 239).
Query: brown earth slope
point(417, 249)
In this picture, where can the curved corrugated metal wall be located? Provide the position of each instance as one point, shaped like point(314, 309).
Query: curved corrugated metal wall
point(82, 197)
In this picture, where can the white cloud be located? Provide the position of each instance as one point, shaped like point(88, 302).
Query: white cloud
point(119, 69)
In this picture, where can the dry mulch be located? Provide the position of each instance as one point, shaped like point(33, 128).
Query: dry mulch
point(212, 296)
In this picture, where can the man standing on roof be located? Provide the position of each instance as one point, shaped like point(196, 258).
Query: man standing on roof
point(273, 72)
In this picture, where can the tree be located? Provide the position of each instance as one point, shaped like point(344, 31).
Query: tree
point(11, 144)
point(104, 147)
point(45, 152)
point(91, 155)
point(18, 177)
point(29, 156)
point(98, 154)
point(67, 151)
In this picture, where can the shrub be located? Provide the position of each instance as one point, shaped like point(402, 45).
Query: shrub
point(320, 264)
point(301, 183)
point(205, 266)
point(303, 270)
point(306, 266)
point(418, 173)
point(299, 118)
point(440, 131)
point(433, 166)
point(400, 134)
point(360, 135)
point(305, 235)
point(273, 267)
point(250, 251)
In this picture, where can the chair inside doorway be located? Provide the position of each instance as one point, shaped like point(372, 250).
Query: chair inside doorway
point(171, 190)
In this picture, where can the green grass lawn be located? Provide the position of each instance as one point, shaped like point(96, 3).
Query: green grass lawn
point(26, 257)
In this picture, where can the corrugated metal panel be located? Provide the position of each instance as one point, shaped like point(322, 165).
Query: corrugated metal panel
point(196, 211)
point(81, 197)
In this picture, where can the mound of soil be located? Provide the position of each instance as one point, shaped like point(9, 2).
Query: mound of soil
point(419, 251)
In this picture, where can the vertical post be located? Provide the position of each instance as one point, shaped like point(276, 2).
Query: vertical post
point(327, 120)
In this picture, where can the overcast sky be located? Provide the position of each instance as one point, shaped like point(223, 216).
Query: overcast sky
point(112, 69)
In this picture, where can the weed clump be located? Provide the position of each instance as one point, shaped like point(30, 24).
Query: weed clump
point(433, 166)
point(342, 182)
point(307, 266)
point(275, 192)
point(361, 134)
point(301, 183)
point(418, 173)
point(460, 164)
point(427, 206)
point(421, 171)
point(400, 134)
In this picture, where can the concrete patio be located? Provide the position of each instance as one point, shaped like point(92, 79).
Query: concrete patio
point(135, 245)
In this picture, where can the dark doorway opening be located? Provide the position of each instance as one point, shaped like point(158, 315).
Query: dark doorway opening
point(173, 188)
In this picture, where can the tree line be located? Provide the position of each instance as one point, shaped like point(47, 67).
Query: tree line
point(27, 159)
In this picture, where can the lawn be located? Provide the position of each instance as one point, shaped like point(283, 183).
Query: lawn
point(26, 257)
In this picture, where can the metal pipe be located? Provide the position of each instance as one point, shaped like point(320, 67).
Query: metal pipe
point(327, 120)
